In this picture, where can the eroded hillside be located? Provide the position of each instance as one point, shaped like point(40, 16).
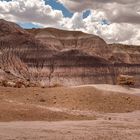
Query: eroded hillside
point(56, 57)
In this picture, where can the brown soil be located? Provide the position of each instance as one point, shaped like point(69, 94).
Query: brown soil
point(64, 103)
point(96, 112)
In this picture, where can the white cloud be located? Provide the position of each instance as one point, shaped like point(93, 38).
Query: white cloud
point(115, 10)
point(30, 11)
point(123, 16)
point(112, 33)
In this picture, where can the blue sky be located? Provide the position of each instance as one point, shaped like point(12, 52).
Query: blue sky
point(56, 5)
point(28, 25)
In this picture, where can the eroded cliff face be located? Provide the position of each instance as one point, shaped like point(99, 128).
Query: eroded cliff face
point(126, 59)
point(125, 53)
point(61, 40)
point(52, 57)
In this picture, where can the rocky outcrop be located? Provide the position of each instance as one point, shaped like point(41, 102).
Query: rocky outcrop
point(49, 57)
point(125, 53)
point(126, 59)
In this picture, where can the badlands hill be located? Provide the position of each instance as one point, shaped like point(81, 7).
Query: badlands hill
point(52, 57)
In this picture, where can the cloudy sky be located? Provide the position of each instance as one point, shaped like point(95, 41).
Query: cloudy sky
point(116, 21)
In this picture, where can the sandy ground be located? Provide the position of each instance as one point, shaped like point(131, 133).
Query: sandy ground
point(90, 112)
point(109, 127)
point(114, 88)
